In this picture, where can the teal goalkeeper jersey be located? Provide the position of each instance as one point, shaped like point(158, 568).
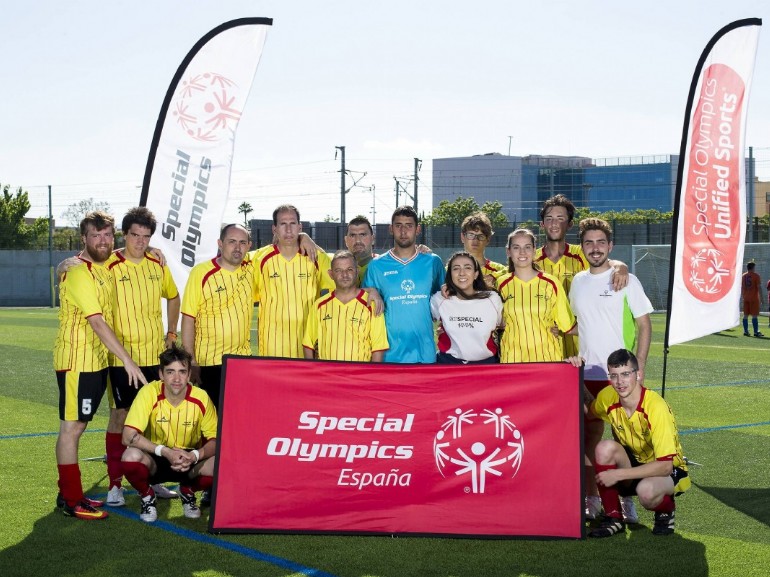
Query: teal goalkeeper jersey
point(406, 288)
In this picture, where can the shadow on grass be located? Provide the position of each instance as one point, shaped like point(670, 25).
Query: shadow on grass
point(754, 502)
point(120, 545)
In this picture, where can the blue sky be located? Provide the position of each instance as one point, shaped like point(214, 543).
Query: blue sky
point(83, 82)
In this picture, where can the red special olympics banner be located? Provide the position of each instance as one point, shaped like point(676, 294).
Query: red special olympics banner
point(331, 447)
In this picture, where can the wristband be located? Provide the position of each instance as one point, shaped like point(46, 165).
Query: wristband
point(197, 454)
point(171, 334)
point(159, 449)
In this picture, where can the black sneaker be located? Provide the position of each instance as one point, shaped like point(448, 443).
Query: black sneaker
point(664, 523)
point(608, 527)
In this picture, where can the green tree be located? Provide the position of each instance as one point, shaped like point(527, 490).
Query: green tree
point(15, 233)
point(636, 216)
point(453, 213)
point(76, 211)
point(245, 209)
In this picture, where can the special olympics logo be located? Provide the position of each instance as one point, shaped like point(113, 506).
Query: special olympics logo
point(478, 445)
point(707, 271)
point(203, 107)
point(407, 285)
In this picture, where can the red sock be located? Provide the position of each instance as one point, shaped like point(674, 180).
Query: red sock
point(114, 445)
point(610, 496)
point(138, 475)
point(202, 483)
point(70, 486)
point(667, 505)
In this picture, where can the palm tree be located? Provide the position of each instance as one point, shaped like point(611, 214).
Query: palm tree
point(245, 208)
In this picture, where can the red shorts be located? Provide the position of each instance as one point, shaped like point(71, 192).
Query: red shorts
point(751, 307)
point(595, 386)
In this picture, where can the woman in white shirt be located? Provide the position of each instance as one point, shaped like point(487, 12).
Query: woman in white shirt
point(469, 315)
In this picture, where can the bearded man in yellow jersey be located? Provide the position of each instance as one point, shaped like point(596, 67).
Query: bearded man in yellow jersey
point(170, 435)
point(86, 294)
point(287, 283)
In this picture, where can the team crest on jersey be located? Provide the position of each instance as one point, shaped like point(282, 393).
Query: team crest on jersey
point(303, 275)
point(478, 446)
point(153, 277)
point(407, 285)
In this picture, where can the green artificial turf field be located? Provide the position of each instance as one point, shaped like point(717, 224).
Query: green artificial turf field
point(718, 387)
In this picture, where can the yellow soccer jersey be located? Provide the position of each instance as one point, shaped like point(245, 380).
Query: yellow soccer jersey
point(571, 262)
point(221, 303)
point(650, 433)
point(493, 268)
point(138, 319)
point(87, 289)
point(530, 309)
point(345, 331)
point(189, 425)
point(286, 291)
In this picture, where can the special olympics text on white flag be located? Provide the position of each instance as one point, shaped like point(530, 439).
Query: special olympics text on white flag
point(187, 179)
point(710, 201)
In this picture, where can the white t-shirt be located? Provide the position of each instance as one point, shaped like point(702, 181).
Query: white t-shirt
point(605, 317)
point(467, 325)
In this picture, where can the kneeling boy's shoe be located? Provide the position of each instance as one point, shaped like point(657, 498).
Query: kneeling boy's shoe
point(608, 527)
point(664, 523)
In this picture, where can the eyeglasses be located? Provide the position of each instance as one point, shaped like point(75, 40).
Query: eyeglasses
point(624, 374)
point(475, 236)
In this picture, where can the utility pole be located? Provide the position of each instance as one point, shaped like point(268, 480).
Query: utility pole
point(509, 145)
point(399, 188)
point(342, 183)
point(417, 164)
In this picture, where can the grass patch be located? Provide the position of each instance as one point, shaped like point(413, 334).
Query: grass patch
point(723, 522)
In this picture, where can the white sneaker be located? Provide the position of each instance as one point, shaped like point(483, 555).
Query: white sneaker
point(593, 507)
point(149, 511)
point(191, 510)
point(629, 510)
point(161, 492)
point(115, 497)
